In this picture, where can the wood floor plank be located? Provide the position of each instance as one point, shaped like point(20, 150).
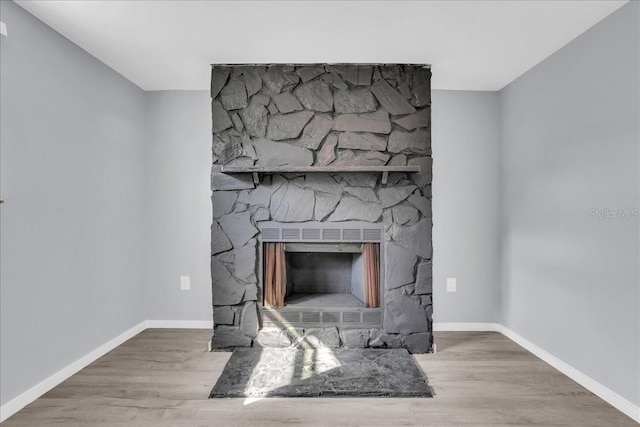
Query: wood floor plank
point(162, 377)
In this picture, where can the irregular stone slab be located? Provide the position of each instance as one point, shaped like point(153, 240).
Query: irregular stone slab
point(252, 80)
point(391, 196)
point(390, 72)
point(238, 227)
point(322, 183)
point(272, 153)
point(391, 340)
point(334, 80)
point(325, 204)
point(255, 119)
point(226, 147)
point(390, 99)
point(354, 338)
point(327, 153)
point(361, 141)
point(365, 194)
point(319, 338)
point(229, 336)
point(273, 337)
point(226, 289)
point(224, 315)
point(424, 278)
point(222, 202)
point(260, 196)
point(234, 95)
point(315, 96)
point(404, 214)
point(416, 238)
point(398, 160)
point(404, 90)
point(404, 314)
point(399, 266)
point(351, 208)
point(377, 122)
point(358, 75)
point(361, 179)
point(219, 240)
point(249, 319)
point(237, 122)
point(261, 99)
point(362, 158)
point(309, 72)
point(354, 101)
point(272, 108)
point(424, 177)
point(274, 80)
point(287, 126)
point(245, 260)
point(286, 102)
point(292, 204)
point(418, 120)
point(219, 76)
point(422, 203)
point(418, 343)
point(421, 90)
point(219, 117)
point(416, 142)
point(315, 131)
point(227, 258)
point(262, 214)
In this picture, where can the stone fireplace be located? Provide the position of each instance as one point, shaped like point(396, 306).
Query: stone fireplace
point(322, 158)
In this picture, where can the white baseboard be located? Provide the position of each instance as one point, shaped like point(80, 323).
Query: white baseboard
point(22, 400)
point(179, 324)
point(612, 398)
point(475, 327)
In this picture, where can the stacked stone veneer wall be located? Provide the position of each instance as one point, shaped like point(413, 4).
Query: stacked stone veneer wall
point(337, 115)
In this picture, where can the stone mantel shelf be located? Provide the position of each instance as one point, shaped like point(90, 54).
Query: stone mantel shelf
point(257, 170)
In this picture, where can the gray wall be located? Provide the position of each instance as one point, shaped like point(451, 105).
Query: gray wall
point(571, 144)
point(466, 224)
point(178, 230)
point(72, 134)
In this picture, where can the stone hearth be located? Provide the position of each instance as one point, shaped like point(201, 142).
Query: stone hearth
point(322, 115)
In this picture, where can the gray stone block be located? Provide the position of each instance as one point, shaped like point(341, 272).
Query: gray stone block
point(255, 119)
point(272, 337)
point(421, 88)
point(252, 81)
point(226, 289)
point(262, 214)
point(354, 101)
point(417, 343)
point(422, 203)
point(234, 95)
point(391, 196)
point(315, 95)
point(425, 175)
point(219, 76)
point(361, 158)
point(391, 340)
point(229, 336)
point(245, 260)
point(390, 99)
point(365, 194)
point(325, 204)
point(319, 338)
point(404, 89)
point(249, 319)
point(238, 227)
point(417, 120)
point(291, 203)
point(377, 122)
point(219, 117)
point(416, 142)
point(287, 126)
point(274, 80)
point(315, 131)
point(391, 72)
point(287, 103)
point(415, 238)
point(309, 72)
point(261, 196)
point(351, 208)
point(219, 240)
point(224, 315)
point(251, 291)
point(323, 183)
point(404, 214)
point(357, 75)
point(237, 122)
point(261, 99)
point(399, 266)
point(354, 338)
point(273, 109)
point(327, 153)
point(398, 160)
point(271, 153)
point(361, 141)
point(403, 314)
point(222, 202)
point(424, 278)
point(334, 80)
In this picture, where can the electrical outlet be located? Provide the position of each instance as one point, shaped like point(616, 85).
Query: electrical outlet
point(451, 284)
point(185, 283)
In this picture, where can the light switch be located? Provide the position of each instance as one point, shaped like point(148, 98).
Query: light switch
point(185, 283)
point(451, 284)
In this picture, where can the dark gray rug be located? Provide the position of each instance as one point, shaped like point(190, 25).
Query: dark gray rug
point(278, 372)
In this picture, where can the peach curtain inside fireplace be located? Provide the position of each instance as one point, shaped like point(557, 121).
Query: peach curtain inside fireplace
point(371, 258)
point(275, 275)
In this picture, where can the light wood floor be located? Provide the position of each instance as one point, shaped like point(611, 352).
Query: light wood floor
point(163, 378)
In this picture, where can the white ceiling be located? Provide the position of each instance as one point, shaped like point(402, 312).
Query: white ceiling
point(471, 45)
